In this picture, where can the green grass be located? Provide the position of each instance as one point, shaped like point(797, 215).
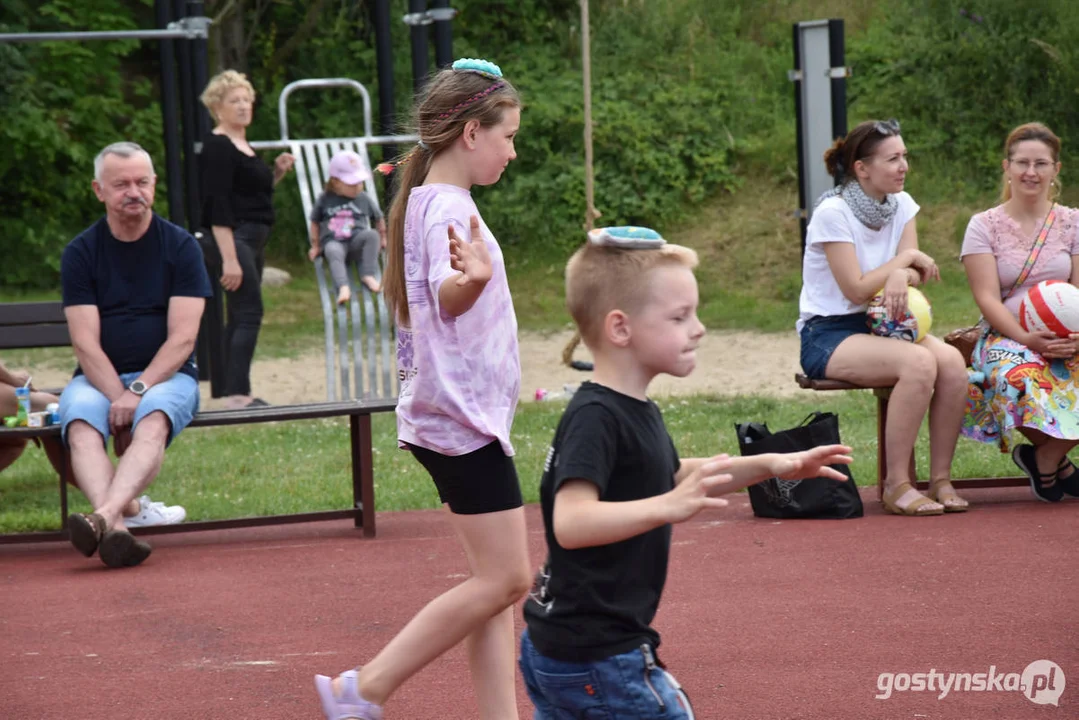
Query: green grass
point(749, 278)
point(302, 466)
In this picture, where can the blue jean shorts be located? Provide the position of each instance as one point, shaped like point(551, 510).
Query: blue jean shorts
point(177, 398)
point(822, 334)
point(622, 687)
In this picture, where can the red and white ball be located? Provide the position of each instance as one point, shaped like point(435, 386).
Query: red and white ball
point(1051, 305)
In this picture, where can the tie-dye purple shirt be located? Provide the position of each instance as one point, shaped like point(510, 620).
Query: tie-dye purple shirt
point(460, 376)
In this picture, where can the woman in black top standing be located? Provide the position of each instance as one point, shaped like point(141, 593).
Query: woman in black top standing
point(237, 206)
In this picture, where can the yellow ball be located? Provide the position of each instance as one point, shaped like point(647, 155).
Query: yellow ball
point(913, 326)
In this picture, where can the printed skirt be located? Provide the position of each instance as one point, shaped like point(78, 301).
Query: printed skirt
point(1014, 387)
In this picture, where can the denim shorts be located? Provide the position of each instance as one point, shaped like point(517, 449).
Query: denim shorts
point(629, 686)
point(822, 334)
point(177, 398)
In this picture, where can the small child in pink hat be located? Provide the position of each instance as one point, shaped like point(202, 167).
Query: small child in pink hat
point(346, 225)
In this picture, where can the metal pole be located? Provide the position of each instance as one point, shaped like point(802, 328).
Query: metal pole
point(177, 32)
point(380, 19)
point(799, 130)
point(187, 116)
point(443, 35)
point(209, 342)
point(586, 67)
point(200, 62)
point(174, 176)
point(419, 34)
point(211, 354)
point(837, 59)
point(204, 346)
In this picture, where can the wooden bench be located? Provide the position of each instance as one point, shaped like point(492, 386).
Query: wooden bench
point(883, 394)
point(29, 325)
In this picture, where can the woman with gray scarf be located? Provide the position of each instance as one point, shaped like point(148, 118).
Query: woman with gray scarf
point(862, 238)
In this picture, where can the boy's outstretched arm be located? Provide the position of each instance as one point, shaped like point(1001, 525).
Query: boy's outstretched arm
point(582, 520)
point(750, 470)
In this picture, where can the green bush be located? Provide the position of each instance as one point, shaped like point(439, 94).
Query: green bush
point(62, 102)
point(690, 98)
point(961, 75)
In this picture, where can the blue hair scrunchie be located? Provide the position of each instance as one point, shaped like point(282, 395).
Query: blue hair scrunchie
point(626, 236)
point(477, 65)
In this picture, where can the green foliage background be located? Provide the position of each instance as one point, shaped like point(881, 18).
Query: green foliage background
point(690, 98)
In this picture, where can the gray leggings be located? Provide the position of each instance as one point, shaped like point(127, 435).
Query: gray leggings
point(362, 246)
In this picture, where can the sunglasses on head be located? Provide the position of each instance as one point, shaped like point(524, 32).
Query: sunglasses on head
point(887, 127)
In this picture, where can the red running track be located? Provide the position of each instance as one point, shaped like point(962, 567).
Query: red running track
point(761, 619)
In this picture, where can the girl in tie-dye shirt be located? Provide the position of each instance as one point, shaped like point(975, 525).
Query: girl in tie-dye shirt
point(460, 376)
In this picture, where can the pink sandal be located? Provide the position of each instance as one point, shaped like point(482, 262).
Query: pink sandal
point(349, 706)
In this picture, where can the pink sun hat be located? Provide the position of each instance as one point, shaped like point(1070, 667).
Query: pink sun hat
point(349, 168)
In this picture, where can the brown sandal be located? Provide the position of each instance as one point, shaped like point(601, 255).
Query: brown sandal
point(943, 492)
point(912, 509)
point(86, 532)
point(120, 548)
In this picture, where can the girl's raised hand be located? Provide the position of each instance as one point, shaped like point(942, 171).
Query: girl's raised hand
point(469, 256)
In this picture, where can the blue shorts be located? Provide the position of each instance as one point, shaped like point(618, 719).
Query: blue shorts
point(177, 397)
point(622, 686)
point(822, 334)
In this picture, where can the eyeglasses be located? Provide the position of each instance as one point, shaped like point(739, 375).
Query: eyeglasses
point(1040, 166)
point(887, 127)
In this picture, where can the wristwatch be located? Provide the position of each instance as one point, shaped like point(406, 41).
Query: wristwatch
point(138, 387)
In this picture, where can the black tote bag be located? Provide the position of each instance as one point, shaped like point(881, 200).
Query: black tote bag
point(808, 498)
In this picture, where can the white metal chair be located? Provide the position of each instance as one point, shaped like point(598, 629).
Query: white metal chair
point(360, 337)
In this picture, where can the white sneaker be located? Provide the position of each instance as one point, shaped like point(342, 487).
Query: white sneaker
point(155, 513)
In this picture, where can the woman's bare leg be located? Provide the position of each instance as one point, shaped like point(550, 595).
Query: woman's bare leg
point(947, 407)
point(912, 370)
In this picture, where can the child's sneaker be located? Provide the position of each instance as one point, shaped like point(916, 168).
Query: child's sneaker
point(349, 704)
point(155, 513)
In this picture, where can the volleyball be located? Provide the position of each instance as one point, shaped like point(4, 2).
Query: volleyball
point(1051, 305)
point(913, 326)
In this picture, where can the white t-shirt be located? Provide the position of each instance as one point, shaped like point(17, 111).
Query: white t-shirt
point(833, 221)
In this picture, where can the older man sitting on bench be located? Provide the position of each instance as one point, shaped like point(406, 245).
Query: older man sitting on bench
point(134, 287)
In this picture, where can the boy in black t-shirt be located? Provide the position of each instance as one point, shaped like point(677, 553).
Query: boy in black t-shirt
point(613, 484)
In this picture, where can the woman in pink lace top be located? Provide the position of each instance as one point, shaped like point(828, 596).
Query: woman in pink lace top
point(1027, 382)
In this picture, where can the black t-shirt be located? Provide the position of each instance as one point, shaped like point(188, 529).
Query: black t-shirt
point(236, 188)
point(131, 283)
point(591, 603)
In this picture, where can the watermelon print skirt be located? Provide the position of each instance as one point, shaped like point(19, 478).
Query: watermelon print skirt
point(1014, 387)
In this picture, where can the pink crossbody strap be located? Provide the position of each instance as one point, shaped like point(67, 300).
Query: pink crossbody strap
point(1035, 251)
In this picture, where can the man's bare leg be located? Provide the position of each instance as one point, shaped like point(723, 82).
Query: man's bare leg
point(90, 462)
point(137, 468)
